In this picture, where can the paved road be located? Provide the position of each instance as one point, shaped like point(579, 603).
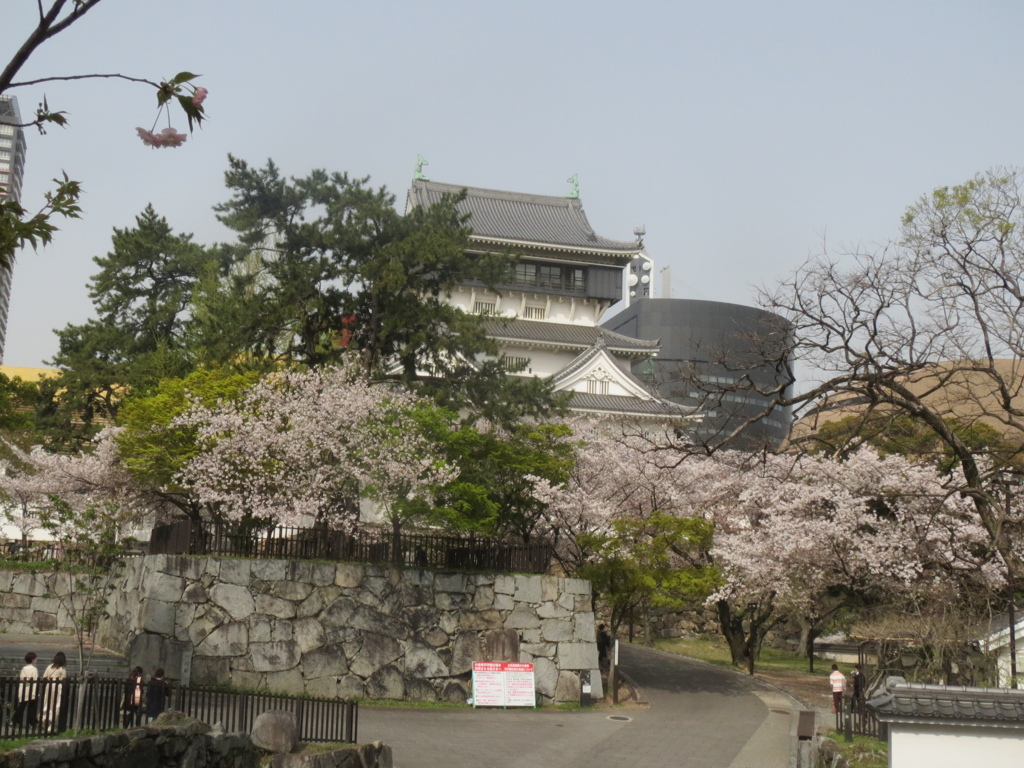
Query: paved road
point(700, 716)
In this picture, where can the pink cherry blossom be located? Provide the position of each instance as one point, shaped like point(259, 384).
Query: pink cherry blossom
point(168, 137)
point(199, 96)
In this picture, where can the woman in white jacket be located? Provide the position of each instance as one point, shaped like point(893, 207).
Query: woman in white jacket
point(52, 689)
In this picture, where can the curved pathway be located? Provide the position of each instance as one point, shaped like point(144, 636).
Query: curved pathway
point(700, 716)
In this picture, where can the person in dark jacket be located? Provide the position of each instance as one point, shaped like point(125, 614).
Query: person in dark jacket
point(157, 693)
point(131, 705)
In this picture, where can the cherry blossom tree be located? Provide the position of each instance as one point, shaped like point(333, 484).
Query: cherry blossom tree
point(85, 503)
point(305, 446)
point(795, 537)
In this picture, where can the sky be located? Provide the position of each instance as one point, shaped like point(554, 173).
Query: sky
point(744, 136)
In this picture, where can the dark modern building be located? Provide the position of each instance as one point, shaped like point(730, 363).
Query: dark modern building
point(725, 359)
point(12, 170)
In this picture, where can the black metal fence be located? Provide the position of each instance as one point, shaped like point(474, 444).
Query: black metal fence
point(858, 718)
point(38, 708)
point(376, 547)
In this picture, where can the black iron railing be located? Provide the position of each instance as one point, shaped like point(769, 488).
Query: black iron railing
point(375, 547)
point(856, 717)
point(37, 708)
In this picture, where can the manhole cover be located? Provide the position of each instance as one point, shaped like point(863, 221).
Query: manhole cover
point(620, 718)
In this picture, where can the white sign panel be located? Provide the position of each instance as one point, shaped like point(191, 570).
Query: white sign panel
point(503, 684)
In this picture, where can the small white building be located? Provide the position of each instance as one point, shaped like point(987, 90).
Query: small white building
point(939, 726)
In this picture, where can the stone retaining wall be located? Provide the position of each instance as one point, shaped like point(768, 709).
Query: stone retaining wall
point(347, 630)
point(168, 745)
point(24, 607)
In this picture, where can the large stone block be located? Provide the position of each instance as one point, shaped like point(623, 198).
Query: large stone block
point(504, 584)
point(160, 586)
point(369, 620)
point(483, 598)
point(211, 670)
point(528, 589)
point(323, 574)
point(43, 621)
point(318, 600)
point(504, 602)
point(552, 610)
point(274, 656)
point(349, 576)
point(15, 601)
point(422, 661)
point(545, 676)
point(546, 650)
point(556, 630)
point(300, 570)
point(296, 591)
point(568, 687)
point(338, 613)
point(577, 587)
point(350, 687)
point(194, 593)
point(158, 617)
point(585, 631)
point(454, 692)
point(234, 599)
point(286, 681)
point(274, 606)
point(386, 683)
point(269, 570)
point(260, 629)
point(202, 626)
point(276, 731)
point(236, 572)
point(231, 639)
point(450, 582)
point(377, 650)
point(420, 690)
point(465, 651)
point(549, 588)
point(472, 621)
point(329, 661)
point(281, 631)
point(29, 584)
point(308, 633)
point(523, 617)
point(500, 645)
point(451, 601)
point(577, 655)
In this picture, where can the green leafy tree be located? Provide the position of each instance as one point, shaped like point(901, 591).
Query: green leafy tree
point(654, 562)
point(494, 492)
point(326, 264)
point(142, 294)
point(154, 449)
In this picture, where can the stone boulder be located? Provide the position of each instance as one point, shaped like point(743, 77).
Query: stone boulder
point(276, 731)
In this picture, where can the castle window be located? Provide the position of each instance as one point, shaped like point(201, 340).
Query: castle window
point(533, 313)
point(515, 364)
point(597, 387)
point(484, 307)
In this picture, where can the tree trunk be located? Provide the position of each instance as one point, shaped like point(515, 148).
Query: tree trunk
point(732, 630)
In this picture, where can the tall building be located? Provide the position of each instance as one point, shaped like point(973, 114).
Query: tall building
point(724, 359)
point(12, 170)
point(545, 316)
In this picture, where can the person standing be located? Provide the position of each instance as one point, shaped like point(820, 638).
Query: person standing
point(52, 691)
point(157, 693)
point(27, 692)
point(132, 702)
point(838, 681)
point(859, 685)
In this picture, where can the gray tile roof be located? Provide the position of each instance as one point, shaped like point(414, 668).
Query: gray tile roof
point(915, 702)
point(523, 218)
point(564, 334)
point(626, 406)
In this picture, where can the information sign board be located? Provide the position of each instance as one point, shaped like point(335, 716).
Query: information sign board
point(503, 684)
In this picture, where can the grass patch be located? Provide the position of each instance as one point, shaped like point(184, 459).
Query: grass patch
point(863, 751)
point(716, 651)
point(402, 704)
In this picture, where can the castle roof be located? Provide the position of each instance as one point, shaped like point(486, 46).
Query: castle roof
point(568, 335)
point(524, 219)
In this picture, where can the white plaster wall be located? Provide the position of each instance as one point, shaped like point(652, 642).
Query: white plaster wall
point(913, 746)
